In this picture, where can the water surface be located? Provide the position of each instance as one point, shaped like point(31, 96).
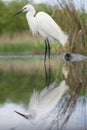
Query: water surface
point(19, 77)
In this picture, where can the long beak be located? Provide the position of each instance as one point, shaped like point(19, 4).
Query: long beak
point(25, 116)
point(20, 11)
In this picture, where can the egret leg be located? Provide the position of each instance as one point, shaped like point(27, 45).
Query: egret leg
point(45, 51)
point(48, 48)
point(47, 69)
point(47, 75)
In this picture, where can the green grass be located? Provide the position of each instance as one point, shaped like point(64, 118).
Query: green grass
point(17, 48)
point(27, 48)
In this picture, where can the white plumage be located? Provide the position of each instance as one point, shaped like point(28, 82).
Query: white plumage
point(43, 24)
point(48, 28)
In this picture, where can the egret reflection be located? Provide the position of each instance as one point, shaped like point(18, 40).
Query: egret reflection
point(42, 103)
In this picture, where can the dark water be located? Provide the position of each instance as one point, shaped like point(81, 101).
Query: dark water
point(61, 92)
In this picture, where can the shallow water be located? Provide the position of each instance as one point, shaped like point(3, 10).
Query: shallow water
point(62, 103)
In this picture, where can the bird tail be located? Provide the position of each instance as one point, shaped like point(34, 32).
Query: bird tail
point(63, 38)
point(34, 100)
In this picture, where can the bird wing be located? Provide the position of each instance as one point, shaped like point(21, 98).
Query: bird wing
point(51, 97)
point(48, 28)
point(34, 100)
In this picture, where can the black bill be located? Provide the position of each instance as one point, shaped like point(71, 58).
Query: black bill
point(20, 11)
point(25, 116)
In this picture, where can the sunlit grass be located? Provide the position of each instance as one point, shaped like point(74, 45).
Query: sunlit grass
point(28, 48)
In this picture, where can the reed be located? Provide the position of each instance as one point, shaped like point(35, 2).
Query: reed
point(76, 24)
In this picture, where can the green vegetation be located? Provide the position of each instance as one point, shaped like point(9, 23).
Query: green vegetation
point(8, 23)
point(27, 48)
point(21, 48)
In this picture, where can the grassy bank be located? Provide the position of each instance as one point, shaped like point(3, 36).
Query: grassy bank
point(31, 47)
point(21, 48)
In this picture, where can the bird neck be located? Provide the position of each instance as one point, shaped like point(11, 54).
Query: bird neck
point(31, 13)
point(32, 22)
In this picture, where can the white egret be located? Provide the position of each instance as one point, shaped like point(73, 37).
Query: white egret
point(41, 104)
point(43, 24)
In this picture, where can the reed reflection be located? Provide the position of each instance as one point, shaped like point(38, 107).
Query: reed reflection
point(75, 75)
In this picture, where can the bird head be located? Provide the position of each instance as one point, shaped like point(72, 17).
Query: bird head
point(26, 8)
